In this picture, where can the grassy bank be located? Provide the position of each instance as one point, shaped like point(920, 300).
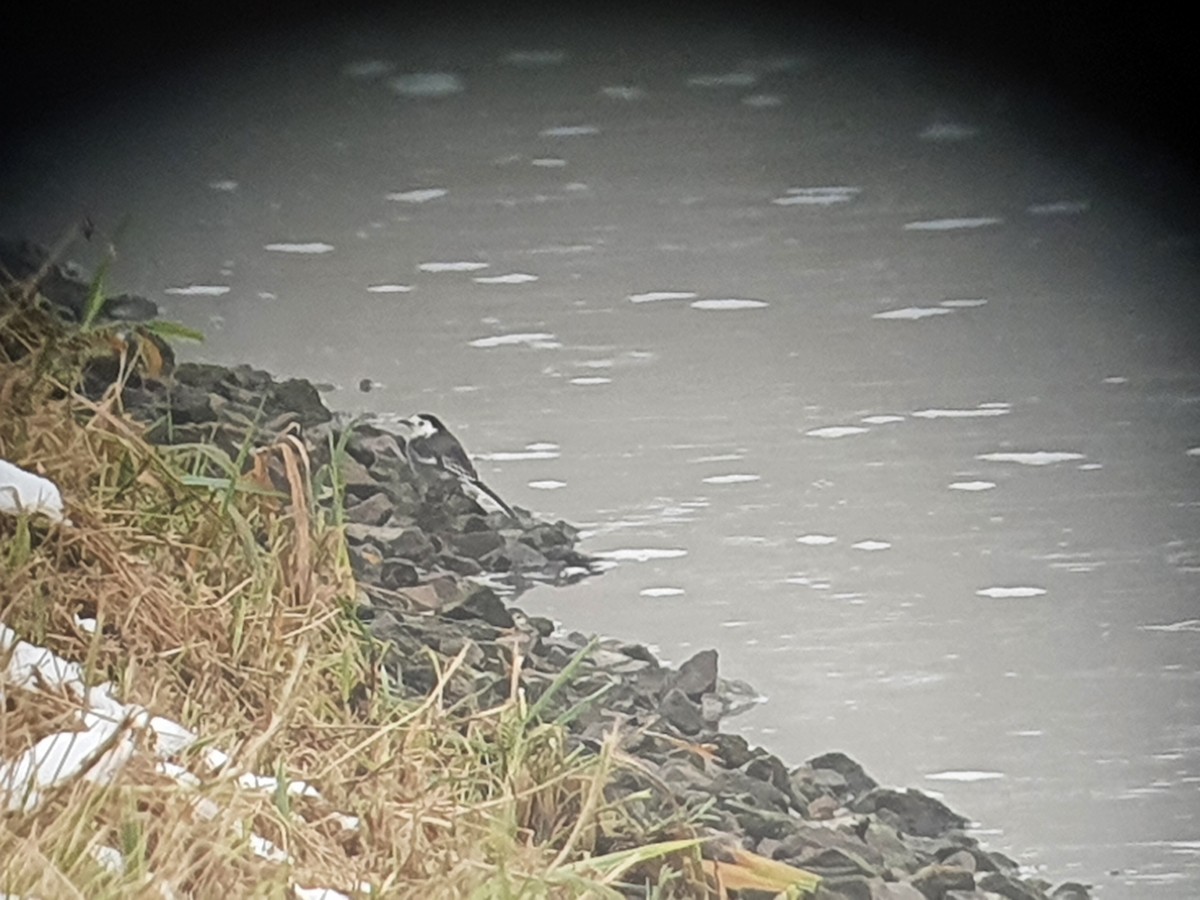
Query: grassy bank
point(212, 591)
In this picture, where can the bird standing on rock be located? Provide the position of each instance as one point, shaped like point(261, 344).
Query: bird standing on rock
point(432, 450)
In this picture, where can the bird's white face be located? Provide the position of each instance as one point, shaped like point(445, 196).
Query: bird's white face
point(418, 426)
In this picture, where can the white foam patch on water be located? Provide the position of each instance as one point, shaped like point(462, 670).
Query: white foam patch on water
point(912, 313)
point(885, 419)
point(313, 247)
point(547, 484)
point(719, 457)
point(623, 92)
point(964, 775)
point(1192, 451)
point(534, 59)
point(816, 540)
point(948, 132)
point(366, 69)
point(965, 303)
point(224, 185)
point(653, 296)
point(1027, 732)
point(389, 288)
point(517, 455)
point(548, 162)
point(542, 445)
point(1032, 458)
point(1059, 208)
point(965, 223)
point(640, 554)
point(735, 623)
point(872, 545)
point(510, 278)
point(454, 266)
point(591, 379)
point(817, 196)
point(763, 101)
point(569, 130)
point(728, 304)
point(198, 290)
point(1174, 627)
point(972, 485)
point(836, 431)
point(982, 412)
point(1007, 592)
point(724, 79)
point(542, 340)
point(733, 478)
point(417, 195)
point(427, 84)
point(661, 592)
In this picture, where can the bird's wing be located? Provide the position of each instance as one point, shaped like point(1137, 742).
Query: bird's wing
point(454, 458)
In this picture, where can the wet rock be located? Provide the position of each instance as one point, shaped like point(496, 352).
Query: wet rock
point(822, 808)
point(890, 890)
point(857, 780)
point(852, 887)
point(911, 811)
point(1071, 890)
point(698, 675)
point(1009, 888)
point(483, 603)
point(375, 510)
point(681, 712)
point(129, 308)
point(732, 750)
point(936, 881)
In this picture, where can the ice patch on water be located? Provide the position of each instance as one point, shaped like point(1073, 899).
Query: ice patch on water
point(389, 288)
point(1059, 208)
point(661, 592)
point(652, 296)
point(872, 545)
point(733, 478)
point(533, 59)
point(640, 554)
point(966, 303)
point(548, 162)
point(427, 84)
point(972, 485)
point(730, 303)
point(817, 196)
point(457, 266)
point(959, 224)
point(1006, 592)
point(886, 419)
point(225, 185)
point(816, 540)
point(366, 69)
point(912, 313)
point(547, 484)
point(569, 130)
point(623, 92)
point(725, 79)
point(510, 278)
point(198, 290)
point(982, 412)
point(1174, 627)
point(948, 132)
point(762, 101)
point(964, 775)
point(1033, 458)
point(314, 247)
point(591, 379)
point(541, 340)
point(836, 431)
point(417, 195)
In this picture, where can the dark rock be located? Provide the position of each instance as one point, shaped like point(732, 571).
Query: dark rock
point(857, 779)
point(1007, 887)
point(822, 808)
point(1071, 890)
point(482, 603)
point(732, 750)
point(770, 768)
point(375, 510)
point(831, 862)
point(398, 573)
point(299, 397)
point(697, 675)
point(542, 625)
point(476, 544)
point(935, 881)
point(894, 890)
point(681, 712)
point(916, 813)
point(851, 887)
point(750, 790)
point(129, 308)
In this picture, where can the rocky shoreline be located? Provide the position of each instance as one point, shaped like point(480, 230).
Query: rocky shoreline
point(436, 573)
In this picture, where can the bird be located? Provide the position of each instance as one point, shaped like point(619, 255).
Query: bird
point(430, 448)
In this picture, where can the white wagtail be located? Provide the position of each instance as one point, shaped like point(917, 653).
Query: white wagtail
point(432, 449)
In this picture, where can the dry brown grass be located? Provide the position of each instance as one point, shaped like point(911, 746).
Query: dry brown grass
point(226, 606)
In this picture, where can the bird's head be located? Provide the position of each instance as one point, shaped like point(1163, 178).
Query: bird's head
point(422, 425)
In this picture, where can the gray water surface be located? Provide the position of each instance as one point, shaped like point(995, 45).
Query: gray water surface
point(931, 486)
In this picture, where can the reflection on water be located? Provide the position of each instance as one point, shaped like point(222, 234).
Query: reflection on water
point(838, 374)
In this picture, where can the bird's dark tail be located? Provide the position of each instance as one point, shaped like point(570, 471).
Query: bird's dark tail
point(504, 506)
